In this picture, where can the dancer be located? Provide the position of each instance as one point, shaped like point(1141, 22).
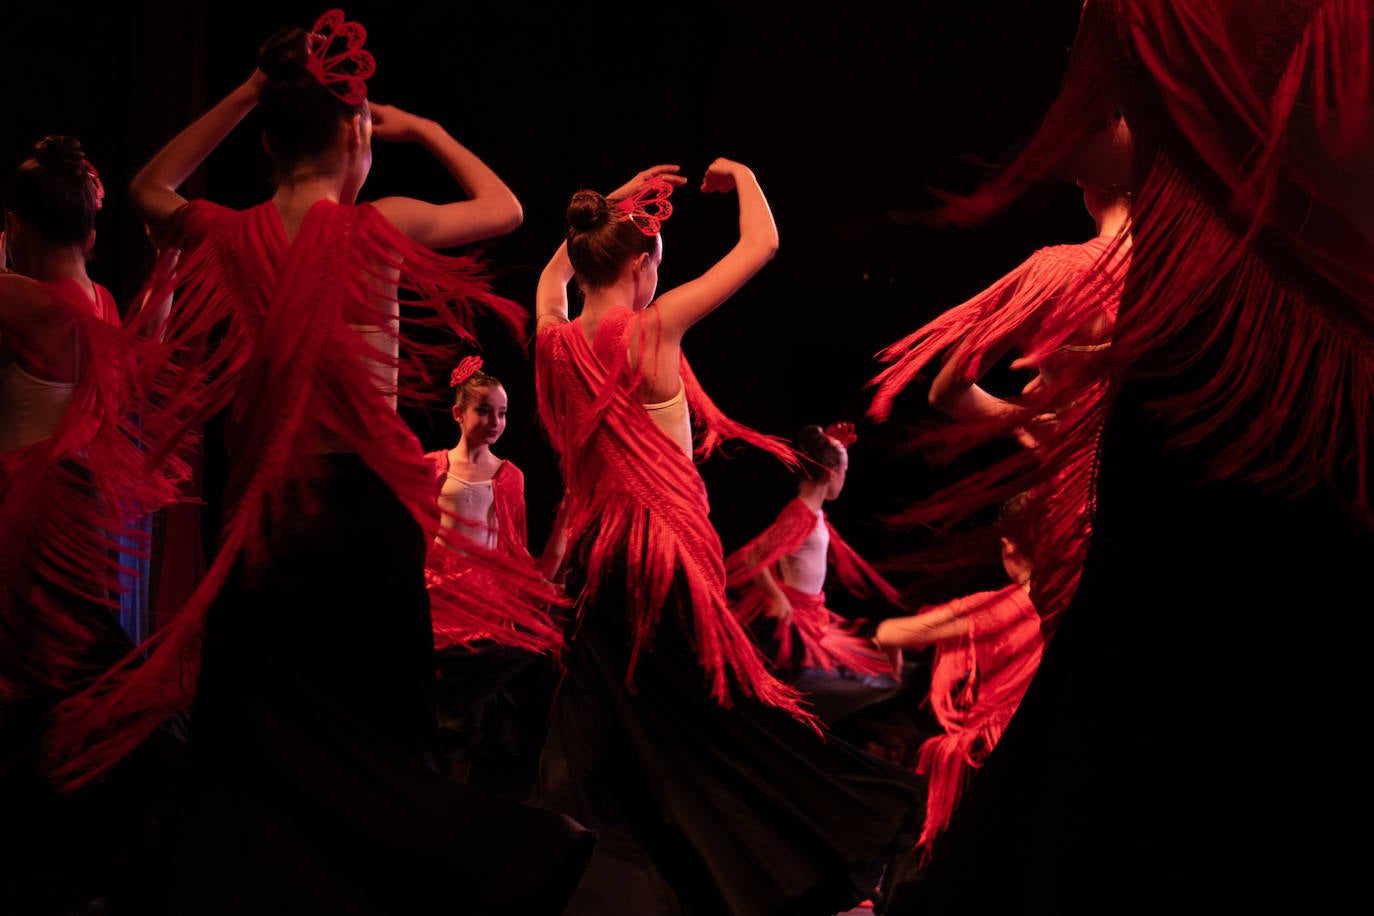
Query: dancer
point(1054, 313)
point(71, 486)
point(310, 633)
point(668, 734)
point(987, 647)
point(1180, 741)
point(501, 634)
point(779, 582)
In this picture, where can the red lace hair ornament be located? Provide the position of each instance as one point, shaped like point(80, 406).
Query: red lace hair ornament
point(843, 433)
point(469, 367)
point(328, 66)
point(648, 207)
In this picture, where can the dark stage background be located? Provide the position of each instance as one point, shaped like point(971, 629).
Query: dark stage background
point(847, 112)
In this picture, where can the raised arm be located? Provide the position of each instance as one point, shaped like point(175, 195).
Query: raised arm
point(551, 295)
point(153, 191)
point(491, 208)
point(685, 305)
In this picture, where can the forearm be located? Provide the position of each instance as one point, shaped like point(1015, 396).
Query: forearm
point(153, 190)
point(474, 176)
point(757, 228)
point(921, 630)
point(551, 296)
point(766, 581)
point(971, 403)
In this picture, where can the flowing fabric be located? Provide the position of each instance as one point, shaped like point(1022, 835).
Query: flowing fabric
point(1153, 764)
point(65, 504)
point(68, 504)
point(1058, 309)
point(497, 595)
point(976, 682)
point(264, 329)
point(305, 654)
point(828, 640)
point(630, 484)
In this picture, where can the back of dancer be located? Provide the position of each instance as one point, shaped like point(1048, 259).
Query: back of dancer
point(308, 646)
point(711, 789)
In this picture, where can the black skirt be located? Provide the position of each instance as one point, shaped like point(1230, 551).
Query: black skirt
point(1188, 741)
point(312, 789)
point(703, 809)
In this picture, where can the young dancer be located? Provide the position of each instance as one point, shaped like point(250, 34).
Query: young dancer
point(668, 733)
point(987, 648)
point(779, 580)
point(308, 644)
point(502, 630)
point(71, 487)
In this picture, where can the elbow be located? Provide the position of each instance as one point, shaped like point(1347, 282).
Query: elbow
point(765, 249)
point(138, 197)
point(514, 215)
point(940, 396)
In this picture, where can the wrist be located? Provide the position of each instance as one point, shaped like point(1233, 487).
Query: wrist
point(428, 132)
point(248, 91)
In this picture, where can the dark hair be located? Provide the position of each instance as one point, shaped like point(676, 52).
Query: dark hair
point(299, 116)
point(599, 244)
point(820, 452)
point(463, 392)
point(1014, 522)
point(56, 191)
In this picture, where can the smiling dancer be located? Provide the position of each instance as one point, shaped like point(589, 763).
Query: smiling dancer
point(494, 623)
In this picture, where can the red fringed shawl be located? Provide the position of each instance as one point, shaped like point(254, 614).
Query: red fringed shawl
point(635, 495)
point(976, 684)
point(1057, 309)
point(1252, 224)
point(65, 502)
point(829, 641)
point(484, 594)
point(264, 328)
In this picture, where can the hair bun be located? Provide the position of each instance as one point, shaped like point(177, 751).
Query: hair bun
point(60, 153)
point(587, 210)
point(284, 55)
point(812, 437)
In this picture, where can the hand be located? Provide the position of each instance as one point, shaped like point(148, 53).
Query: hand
point(1032, 434)
point(781, 608)
point(666, 172)
point(720, 176)
point(255, 83)
point(392, 125)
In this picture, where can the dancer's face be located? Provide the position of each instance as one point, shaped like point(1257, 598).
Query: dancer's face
point(483, 416)
point(838, 473)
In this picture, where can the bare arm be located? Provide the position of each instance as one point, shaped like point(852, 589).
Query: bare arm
point(551, 295)
point(551, 559)
point(685, 305)
point(153, 191)
point(924, 629)
point(491, 208)
point(780, 606)
point(152, 313)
